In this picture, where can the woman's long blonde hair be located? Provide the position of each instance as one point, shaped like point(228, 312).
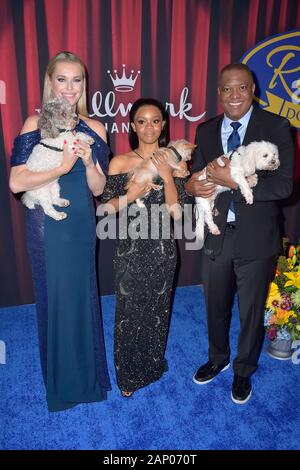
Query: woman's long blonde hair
point(65, 56)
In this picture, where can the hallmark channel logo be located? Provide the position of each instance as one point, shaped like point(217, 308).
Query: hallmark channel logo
point(276, 65)
point(110, 105)
point(124, 83)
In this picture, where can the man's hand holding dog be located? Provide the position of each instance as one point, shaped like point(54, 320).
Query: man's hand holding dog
point(199, 188)
point(220, 175)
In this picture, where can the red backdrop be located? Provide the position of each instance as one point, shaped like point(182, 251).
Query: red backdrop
point(177, 45)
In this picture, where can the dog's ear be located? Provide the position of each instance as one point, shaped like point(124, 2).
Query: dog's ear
point(42, 123)
point(241, 149)
point(46, 123)
point(249, 153)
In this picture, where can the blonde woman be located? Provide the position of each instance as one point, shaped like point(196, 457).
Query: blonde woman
point(62, 253)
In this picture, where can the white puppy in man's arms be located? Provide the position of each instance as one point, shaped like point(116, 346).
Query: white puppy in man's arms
point(244, 162)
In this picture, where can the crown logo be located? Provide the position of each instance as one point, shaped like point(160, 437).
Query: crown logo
point(124, 83)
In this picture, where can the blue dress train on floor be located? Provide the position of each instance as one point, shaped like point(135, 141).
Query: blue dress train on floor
point(62, 255)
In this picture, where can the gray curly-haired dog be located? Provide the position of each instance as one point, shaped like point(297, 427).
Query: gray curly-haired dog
point(244, 161)
point(56, 122)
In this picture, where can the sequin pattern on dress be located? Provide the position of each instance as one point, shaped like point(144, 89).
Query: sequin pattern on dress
point(144, 274)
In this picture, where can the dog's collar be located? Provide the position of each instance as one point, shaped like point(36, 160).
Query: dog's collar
point(65, 130)
point(179, 157)
point(57, 149)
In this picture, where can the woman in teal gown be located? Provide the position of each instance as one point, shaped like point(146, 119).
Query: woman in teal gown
point(62, 253)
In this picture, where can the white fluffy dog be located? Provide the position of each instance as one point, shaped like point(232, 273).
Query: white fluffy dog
point(243, 165)
point(146, 171)
point(55, 123)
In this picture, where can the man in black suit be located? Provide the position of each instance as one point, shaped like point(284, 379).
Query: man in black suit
point(244, 256)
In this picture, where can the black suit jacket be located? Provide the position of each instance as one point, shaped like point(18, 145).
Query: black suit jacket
point(257, 226)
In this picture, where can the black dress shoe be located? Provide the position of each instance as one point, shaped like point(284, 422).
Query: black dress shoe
point(241, 389)
point(208, 372)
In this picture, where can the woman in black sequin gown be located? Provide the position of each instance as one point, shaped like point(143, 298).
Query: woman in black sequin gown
point(144, 265)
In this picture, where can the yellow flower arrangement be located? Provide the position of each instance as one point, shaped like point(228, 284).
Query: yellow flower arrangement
point(282, 314)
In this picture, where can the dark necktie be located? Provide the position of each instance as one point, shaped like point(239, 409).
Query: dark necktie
point(233, 142)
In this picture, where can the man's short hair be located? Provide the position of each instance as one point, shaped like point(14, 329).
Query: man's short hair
point(236, 66)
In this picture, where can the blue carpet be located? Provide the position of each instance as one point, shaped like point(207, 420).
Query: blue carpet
point(173, 413)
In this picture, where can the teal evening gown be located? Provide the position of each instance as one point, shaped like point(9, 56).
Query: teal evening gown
point(62, 255)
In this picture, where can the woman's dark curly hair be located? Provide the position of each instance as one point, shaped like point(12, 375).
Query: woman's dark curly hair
point(164, 136)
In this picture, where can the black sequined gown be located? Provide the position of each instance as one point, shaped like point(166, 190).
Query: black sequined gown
point(144, 274)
